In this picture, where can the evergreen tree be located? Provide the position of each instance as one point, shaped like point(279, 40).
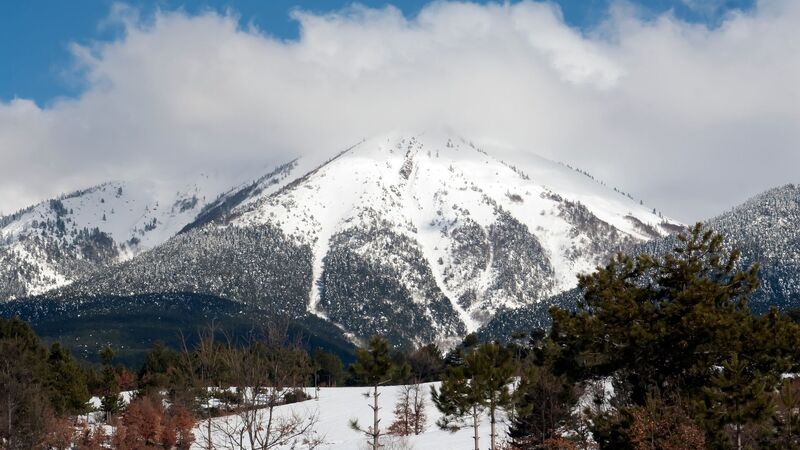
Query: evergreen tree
point(107, 355)
point(737, 396)
point(111, 402)
point(427, 363)
point(542, 406)
point(493, 367)
point(66, 382)
point(658, 326)
point(663, 322)
point(373, 367)
point(24, 404)
point(459, 397)
point(482, 383)
point(328, 368)
point(787, 417)
point(161, 367)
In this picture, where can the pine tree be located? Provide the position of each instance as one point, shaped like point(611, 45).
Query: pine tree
point(66, 382)
point(111, 401)
point(665, 322)
point(787, 417)
point(543, 403)
point(665, 325)
point(482, 383)
point(738, 395)
point(25, 409)
point(329, 369)
point(161, 368)
point(427, 363)
point(373, 367)
point(459, 397)
point(493, 368)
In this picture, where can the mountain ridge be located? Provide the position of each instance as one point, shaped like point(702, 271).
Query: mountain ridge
point(429, 229)
point(765, 228)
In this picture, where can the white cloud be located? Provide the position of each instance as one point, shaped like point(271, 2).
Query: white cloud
point(693, 120)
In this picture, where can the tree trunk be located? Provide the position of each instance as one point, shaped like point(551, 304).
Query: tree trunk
point(738, 436)
point(208, 430)
point(492, 419)
point(475, 426)
point(269, 420)
point(375, 431)
point(10, 411)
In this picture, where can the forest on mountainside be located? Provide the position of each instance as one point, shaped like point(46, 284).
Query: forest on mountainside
point(661, 352)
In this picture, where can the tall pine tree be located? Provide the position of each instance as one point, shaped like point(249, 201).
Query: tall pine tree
point(373, 367)
point(663, 326)
point(111, 402)
point(493, 367)
point(459, 397)
point(659, 321)
point(481, 383)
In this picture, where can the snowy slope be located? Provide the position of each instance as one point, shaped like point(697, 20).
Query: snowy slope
point(336, 406)
point(53, 243)
point(765, 228)
point(492, 235)
point(63, 238)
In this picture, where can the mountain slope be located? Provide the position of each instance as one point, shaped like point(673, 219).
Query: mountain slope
point(57, 241)
point(765, 228)
point(53, 243)
point(420, 238)
point(133, 324)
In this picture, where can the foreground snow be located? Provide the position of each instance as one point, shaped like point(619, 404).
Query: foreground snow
point(336, 406)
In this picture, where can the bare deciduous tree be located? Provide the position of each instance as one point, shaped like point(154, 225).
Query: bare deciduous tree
point(204, 367)
point(409, 411)
point(267, 372)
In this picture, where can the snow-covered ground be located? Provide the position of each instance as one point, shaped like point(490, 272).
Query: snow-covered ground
point(337, 406)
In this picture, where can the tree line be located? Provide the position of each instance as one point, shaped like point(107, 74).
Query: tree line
point(662, 353)
point(227, 387)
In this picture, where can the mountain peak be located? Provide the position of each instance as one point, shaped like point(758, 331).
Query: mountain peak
point(420, 236)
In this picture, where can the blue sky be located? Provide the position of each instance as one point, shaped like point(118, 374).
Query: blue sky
point(35, 34)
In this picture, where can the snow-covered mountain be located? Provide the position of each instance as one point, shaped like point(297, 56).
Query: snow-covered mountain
point(455, 226)
point(58, 241)
point(421, 238)
point(765, 228)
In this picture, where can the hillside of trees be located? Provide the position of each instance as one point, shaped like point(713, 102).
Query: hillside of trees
point(660, 353)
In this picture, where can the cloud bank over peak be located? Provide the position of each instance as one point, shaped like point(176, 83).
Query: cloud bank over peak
point(689, 118)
